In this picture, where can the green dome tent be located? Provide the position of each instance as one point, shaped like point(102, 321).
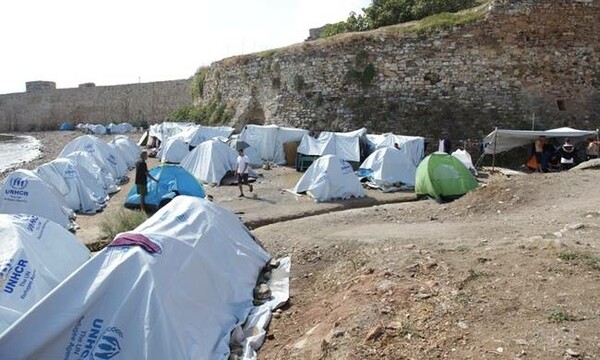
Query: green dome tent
point(443, 177)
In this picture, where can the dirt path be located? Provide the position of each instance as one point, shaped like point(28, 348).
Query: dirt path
point(503, 273)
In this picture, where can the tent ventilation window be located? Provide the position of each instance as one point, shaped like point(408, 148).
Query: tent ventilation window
point(560, 104)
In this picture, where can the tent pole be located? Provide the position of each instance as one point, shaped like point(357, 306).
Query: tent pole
point(494, 155)
point(597, 144)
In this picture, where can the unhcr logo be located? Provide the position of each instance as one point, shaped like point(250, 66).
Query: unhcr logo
point(89, 148)
point(18, 183)
point(102, 346)
point(111, 159)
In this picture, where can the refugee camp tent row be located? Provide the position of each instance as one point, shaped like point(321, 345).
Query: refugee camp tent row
point(130, 286)
point(36, 254)
point(99, 129)
point(328, 178)
point(269, 140)
point(173, 180)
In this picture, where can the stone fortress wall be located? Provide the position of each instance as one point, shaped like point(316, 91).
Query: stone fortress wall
point(43, 107)
point(523, 62)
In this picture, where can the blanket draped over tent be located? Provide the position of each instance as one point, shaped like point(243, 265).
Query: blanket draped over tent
point(182, 300)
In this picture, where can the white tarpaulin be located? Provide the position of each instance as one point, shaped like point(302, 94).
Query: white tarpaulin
point(414, 146)
point(104, 179)
point(328, 178)
point(173, 151)
point(35, 256)
point(194, 135)
point(210, 161)
point(250, 152)
point(268, 140)
point(165, 130)
point(62, 176)
point(464, 158)
point(106, 157)
point(344, 145)
point(173, 288)
point(501, 140)
point(388, 166)
point(121, 128)
point(23, 192)
point(127, 149)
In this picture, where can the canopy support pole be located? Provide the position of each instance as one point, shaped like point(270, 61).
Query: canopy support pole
point(598, 144)
point(494, 155)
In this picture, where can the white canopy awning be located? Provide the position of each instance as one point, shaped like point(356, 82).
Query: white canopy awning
point(501, 140)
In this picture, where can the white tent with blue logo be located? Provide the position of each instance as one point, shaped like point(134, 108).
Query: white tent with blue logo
point(329, 178)
point(61, 176)
point(85, 162)
point(23, 192)
point(106, 157)
point(36, 255)
point(127, 149)
point(173, 288)
point(173, 151)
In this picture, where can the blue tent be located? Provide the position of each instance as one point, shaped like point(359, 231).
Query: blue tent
point(66, 127)
point(173, 180)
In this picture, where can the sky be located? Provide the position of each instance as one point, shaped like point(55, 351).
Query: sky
point(114, 42)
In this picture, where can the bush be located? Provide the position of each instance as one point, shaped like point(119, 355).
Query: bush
point(390, 12)
point(122, 221)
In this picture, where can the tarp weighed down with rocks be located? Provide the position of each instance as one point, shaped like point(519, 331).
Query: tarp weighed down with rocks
point(36, 254)
point(501, 140)
point(23, 192)
point(173, 288)
point(329, 178)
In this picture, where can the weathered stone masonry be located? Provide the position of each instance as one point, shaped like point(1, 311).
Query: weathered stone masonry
point(526, 60)
point(45, 107)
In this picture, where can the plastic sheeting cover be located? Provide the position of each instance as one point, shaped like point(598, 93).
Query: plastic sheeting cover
point(328, 178)
point(125, 303)
point(390, 166)
point(36, 254)
point(210, 161)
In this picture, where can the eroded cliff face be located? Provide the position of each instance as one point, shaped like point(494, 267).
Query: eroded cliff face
point(521, 60)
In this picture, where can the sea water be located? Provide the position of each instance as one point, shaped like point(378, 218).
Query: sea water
point(16, 149)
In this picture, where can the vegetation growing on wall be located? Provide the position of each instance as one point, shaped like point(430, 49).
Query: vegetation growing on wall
point(362, 71)
point(198, 82)
point(390, 12)
point(213, 113)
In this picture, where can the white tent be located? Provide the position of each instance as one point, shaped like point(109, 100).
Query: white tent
point(121, 128)
point(127, 149)
point(85, 161)
point(388, 167)
point(106, 157)
point(173, 288)
point(210, 161)
point(35, 256)
point(194, 135)
point(413, 145)
point(173, 151)
point(250, 152)
point(501, 140)
point(23, 192)
point(328, 178)
point(61, 176)
point(465, 158)
point(268, 140)
point(345, 145)
point(165, 130)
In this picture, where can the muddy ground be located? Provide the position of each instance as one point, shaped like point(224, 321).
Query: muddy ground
point(510, 271)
